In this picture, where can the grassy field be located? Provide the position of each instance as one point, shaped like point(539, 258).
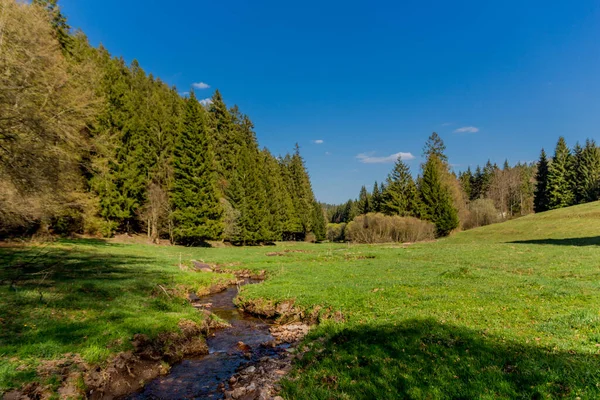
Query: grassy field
point(88, 297)
point(505, 311)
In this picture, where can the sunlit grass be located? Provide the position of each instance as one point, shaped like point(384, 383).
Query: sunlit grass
point(505, 311)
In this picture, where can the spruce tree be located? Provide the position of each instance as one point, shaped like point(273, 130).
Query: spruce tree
point(541, 200)
point(588, 182)
point(319, 224)
point(436, 199)
point(560, 177)
point(225, 140)
point(577, 174)
point(197, 213)
point(275, 201)
point(466, 179)
point(401, 196)
point(292, 225)
point(435, 145)
point(376, 199)
point(364, 201)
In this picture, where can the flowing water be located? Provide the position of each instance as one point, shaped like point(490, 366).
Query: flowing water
point(199, 378)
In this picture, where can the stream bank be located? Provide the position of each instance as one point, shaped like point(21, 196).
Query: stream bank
point(244, 360)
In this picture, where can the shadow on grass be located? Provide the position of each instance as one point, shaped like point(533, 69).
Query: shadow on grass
point(584, 241)
point(46, 294)
point(425, 359)
point(46, 265)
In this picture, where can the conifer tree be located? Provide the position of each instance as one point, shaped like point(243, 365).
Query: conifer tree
point(197, 213)
point(560, 177)
point(292, 226)
point(225, 140)
point(319, 224)
point(436, 200)
point(588, 182)
point(435, 145)
point(466, 179)
point(401, 196)
point(376, 199)
point(577, 174)
point(276, 202)
point(364, 201)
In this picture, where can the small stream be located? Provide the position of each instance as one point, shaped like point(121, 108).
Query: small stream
point(199, 378)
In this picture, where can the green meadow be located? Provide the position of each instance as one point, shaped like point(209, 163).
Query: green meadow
point(510, 310)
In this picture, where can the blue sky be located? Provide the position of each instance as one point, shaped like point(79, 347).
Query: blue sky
point(357, 83)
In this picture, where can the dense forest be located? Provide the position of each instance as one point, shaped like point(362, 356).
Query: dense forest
point(91, 145)
point(471, 199)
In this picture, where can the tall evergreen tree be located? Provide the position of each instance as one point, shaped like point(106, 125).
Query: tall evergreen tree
point(364, 201)
point(541, 200)
point(588, 176)
point(560, 177)
point(197, 213)
point(466, 179)
point(435, 145)
point(225, 140)
point(376, 198)
point(319, 226)
point(401, 196)
point(436, 199)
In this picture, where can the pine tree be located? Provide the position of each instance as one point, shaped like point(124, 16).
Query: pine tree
point(541, 201)
point(302, 194)
point(436, 200)
point(376, 199)
point(319, 224)
point(435, 145)
point(401, 196)
point(225, 140)
point(292, 226)
point(466, 179)
point(197, 213)
point(275, 201)
point(560, 177)
point(577, 174)
point(364, 201)
point(588, 177)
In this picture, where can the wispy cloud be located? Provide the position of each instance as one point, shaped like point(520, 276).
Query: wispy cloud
point(467, 129)
point(200, 85)
point(327, 153)
point(370, 158)
point(184, 94)
point(447, 123)
point(206, 102)
point(318, 141)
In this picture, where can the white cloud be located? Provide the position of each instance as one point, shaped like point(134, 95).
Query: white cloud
point(184, 94)
point(467, 129)
point(447, 123)
point(369, 158)
point(327, 153)
point(200, 85)
point(318, 141)
point(206, 102)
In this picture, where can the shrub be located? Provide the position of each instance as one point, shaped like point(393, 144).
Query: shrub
point(379, 228)
point(482, 212)
point(336, 232)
